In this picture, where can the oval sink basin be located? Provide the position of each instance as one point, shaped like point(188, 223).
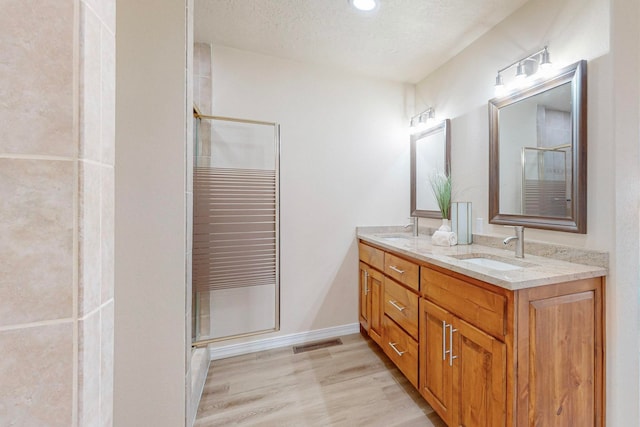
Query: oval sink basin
point(396, 237)
point(492, 264)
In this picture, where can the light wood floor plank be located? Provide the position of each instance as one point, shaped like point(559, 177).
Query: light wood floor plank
point(353, 384)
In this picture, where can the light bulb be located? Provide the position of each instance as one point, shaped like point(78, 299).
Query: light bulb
point(520, 72)
point(499, 87)
point(364, 5)
point(545, 60)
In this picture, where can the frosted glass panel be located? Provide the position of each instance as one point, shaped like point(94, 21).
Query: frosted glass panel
point(236, 228)
point(236, 311)
point(242, 146)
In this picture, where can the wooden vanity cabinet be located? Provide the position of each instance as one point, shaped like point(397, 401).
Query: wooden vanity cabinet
point(389, 306)
point(559, 374)
point(370, 301)
point(462, 373)
point(371, 291)
point(494, 357)
point(463, 326)
point(483, 355)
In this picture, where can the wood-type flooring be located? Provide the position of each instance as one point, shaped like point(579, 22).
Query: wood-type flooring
point(353, 384)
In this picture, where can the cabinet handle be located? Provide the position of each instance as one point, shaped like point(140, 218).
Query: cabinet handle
point(393, 346)
point(398, 307)
point(396, 269)
point(366, 282)
point(444, 340)
point(451, 356)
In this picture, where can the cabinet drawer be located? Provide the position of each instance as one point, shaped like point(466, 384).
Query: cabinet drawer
point(402, 270)
point(481, 307)
point(401, 349)
point(401, 304)
point(372, 256)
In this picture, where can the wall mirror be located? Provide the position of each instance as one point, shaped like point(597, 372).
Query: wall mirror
point(430, 153)
point(538, 154)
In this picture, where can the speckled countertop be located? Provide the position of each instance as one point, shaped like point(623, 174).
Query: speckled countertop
point(531, 270)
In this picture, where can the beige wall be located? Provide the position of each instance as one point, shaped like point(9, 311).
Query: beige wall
point(623, 304)
point(152, 314)
point(56, 214)
point(344, 162)
point(606, 34)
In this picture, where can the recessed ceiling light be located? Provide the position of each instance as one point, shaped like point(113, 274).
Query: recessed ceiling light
point(364, 5)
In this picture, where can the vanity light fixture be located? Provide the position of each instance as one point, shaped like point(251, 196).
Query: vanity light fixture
point(499, 87)
point(520, 72)
point(545, 60)
point(542, 60)
point(423, 120)
point(364, 5)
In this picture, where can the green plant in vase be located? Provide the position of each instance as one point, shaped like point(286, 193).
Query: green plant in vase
point(441, 187)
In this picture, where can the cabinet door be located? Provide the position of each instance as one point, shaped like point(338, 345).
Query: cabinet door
point(364, 300)
point(479, 384)
point(376, 312)
point(561, 357)
point(435, 372)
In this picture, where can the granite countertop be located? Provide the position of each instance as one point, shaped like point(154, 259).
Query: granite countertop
point(528, 272)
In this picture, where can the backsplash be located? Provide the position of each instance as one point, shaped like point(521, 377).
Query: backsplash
point(550, 250)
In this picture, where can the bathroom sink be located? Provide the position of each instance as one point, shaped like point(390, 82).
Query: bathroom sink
point(493, 262)
point(397, 238)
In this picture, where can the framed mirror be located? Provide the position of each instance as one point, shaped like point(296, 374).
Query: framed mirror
point(538, 154)
point(430, 153)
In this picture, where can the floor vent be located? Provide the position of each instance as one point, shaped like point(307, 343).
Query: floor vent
point(316, 345)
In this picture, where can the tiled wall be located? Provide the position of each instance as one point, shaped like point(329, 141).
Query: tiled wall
point(57, 112)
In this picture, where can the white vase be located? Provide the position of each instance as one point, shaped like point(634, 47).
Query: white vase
point(444, 236)
point(445, 225)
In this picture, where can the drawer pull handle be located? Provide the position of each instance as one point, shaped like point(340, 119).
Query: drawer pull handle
point(366, 282)
point(393, 346)
point(398, 307)
point(451, 356)
point(444, 340)
point(396, 269)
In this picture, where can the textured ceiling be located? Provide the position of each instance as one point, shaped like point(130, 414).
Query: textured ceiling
point(402, 40)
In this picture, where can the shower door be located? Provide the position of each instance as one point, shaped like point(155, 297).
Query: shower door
point(235, 228)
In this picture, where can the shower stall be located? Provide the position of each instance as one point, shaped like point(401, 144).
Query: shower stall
point(546, 181)
point(236, 239)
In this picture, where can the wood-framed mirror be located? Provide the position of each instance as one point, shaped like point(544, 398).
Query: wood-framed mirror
point(430, 154)
point(538, 154)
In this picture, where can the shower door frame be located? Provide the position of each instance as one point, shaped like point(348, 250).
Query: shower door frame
point(276, 128)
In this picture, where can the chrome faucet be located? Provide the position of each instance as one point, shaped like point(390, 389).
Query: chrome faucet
point(413, 225)
point(519, 237)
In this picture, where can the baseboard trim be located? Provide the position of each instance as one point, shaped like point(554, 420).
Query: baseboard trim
point(282, 341)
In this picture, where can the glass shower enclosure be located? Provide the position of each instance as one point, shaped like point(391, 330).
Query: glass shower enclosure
point(236, 238)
